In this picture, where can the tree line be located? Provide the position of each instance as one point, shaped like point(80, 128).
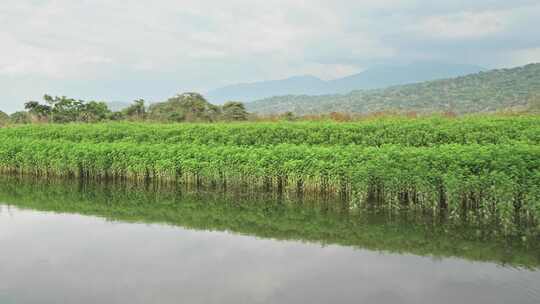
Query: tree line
point(185, 107)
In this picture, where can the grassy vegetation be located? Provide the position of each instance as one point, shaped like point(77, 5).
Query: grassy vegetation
point(325, 222)
point(410, 132)
point(483, 166)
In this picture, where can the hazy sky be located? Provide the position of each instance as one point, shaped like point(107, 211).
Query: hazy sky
point(121, 50)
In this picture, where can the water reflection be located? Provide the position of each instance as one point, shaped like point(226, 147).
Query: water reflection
point(234, 248)
point(258, 215)
point(68, 258)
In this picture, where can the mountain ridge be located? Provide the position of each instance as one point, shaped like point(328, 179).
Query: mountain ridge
point(375, 77)
point(484, 91)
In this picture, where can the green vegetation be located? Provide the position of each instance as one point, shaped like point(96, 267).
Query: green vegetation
point(515, 90)
point(474, 167)
point(189, 106)
point(20, 118)
point(483, 92)
point(63, 109)
point(260, 215)
point(186, 107)
point(4, 119)
point(234, 111)
point(420, 132)
point(534, 103)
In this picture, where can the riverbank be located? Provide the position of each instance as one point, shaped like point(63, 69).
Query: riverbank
point(479, 166)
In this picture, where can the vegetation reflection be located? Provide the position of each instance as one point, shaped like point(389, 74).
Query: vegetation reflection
point(261, 215)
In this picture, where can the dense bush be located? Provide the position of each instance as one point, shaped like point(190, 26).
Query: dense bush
point(445, 176)
point(408, 132)
point(486, 165)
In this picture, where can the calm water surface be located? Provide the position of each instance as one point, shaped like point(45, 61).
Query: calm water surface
point(48, 257)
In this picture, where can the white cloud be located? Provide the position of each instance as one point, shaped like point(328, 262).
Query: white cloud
point(525, 56)
point(21, 58)
point(207, 43)
point(463, 25)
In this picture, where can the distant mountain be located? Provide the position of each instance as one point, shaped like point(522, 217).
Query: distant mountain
point(376, 77)
point(385, 76)
point(309, 85)
point(480, 92)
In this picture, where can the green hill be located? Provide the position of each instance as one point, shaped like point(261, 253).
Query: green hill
point(375, 77)
point(481, 92)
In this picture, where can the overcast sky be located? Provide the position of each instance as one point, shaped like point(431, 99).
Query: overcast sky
point(122, 50)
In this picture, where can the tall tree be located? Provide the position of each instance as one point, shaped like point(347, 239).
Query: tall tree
point(234, 110)
point(185, 107)
point(94, 111)
point(136, 111)
point(39, 111)
point(4, 119)
point(64, 109)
